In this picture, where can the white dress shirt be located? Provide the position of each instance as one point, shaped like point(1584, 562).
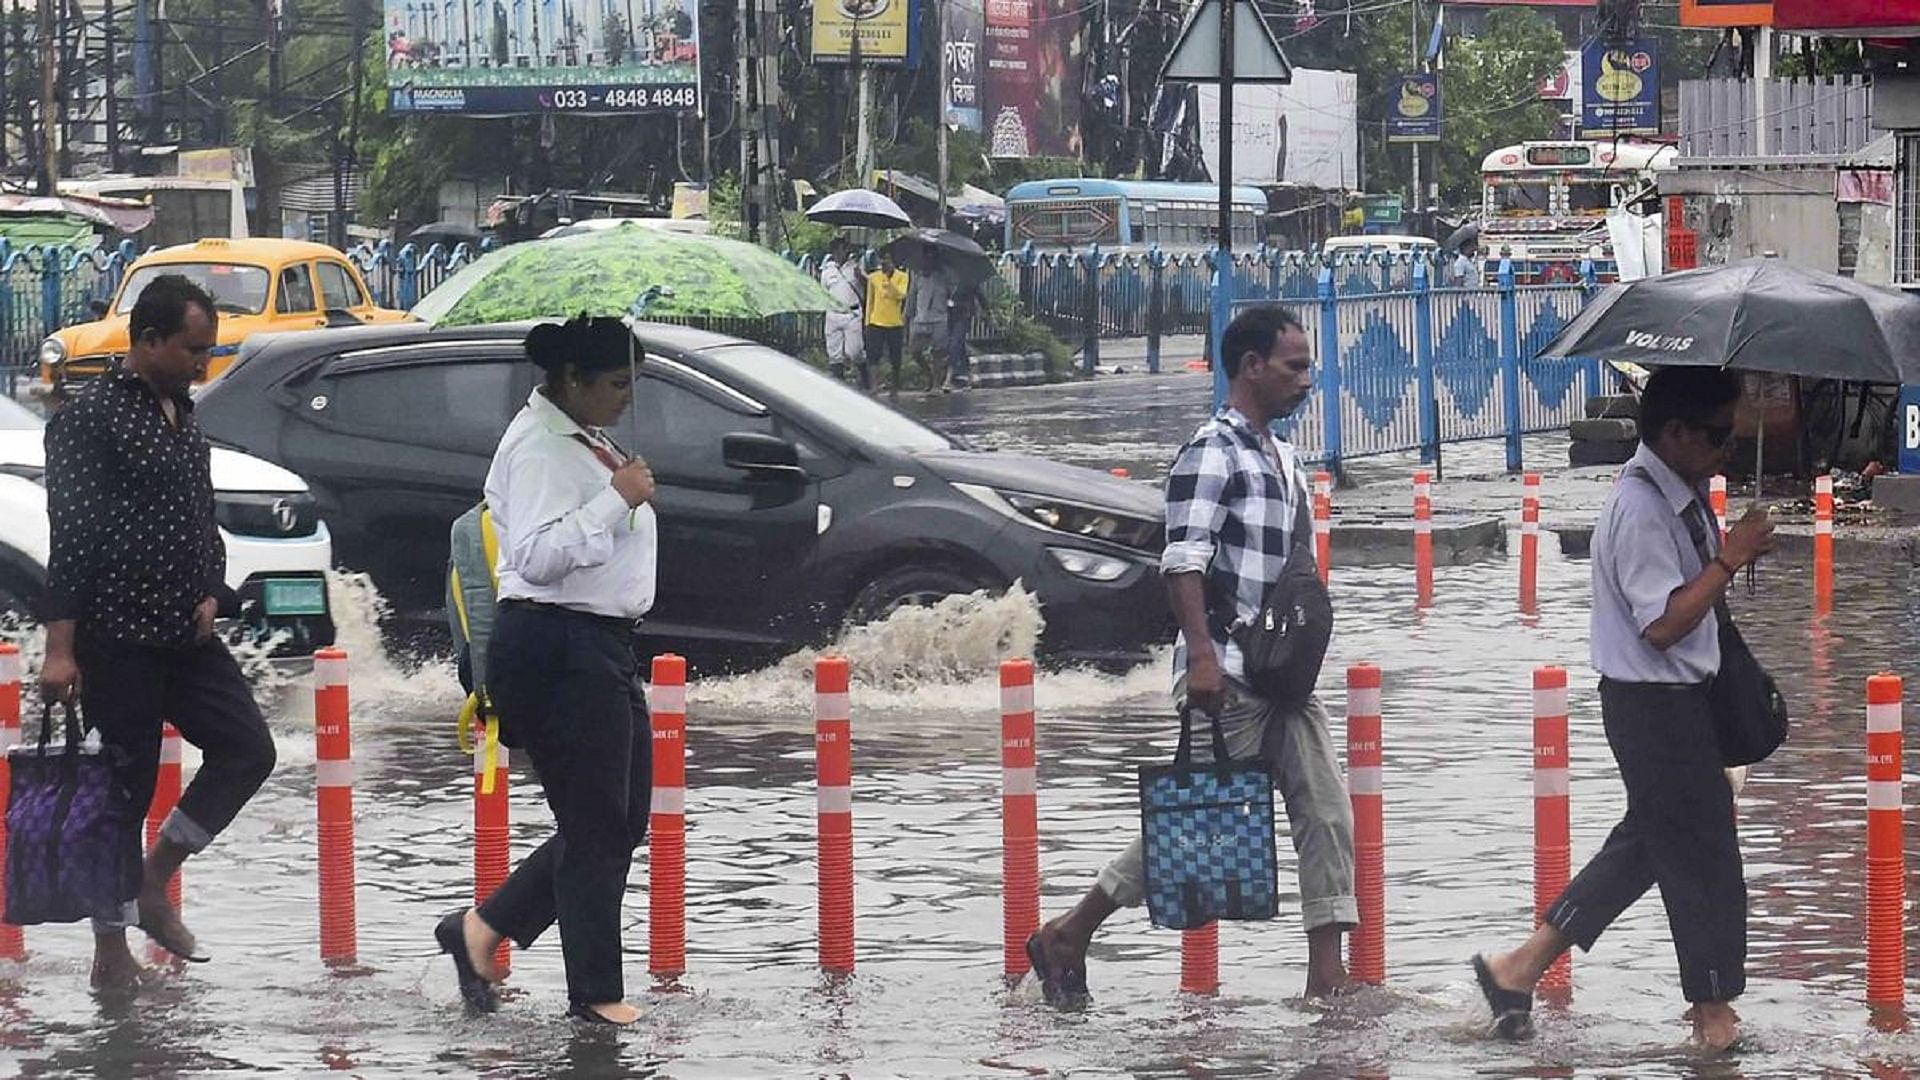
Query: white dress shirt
point(566, 536)
point(1642, 554)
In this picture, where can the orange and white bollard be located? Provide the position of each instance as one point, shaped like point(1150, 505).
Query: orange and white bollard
point(1423, 537)
point(1552, 822)
point(1323, 523)
point(1200, 959)
point(1019, 817)
point(333, 766)
point(13, 945)
point(1717, 498)
point(1886, 856)
point(833, 762)
point(1823, 541)
point(1367, 946)
point(667, 850)
point(492, 847)
point(1530, 544)
point(166, 795)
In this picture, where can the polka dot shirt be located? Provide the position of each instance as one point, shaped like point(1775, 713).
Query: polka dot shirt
point(130, 502)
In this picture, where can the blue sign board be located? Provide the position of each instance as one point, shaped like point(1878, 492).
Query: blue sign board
point(1620, 90)
point(1413, 114)
point(1910, 430)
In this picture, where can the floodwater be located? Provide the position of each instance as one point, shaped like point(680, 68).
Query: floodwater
point(927, 998)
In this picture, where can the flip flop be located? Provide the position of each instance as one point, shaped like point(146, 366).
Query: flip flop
point(450, 932)
point(582, 1013)
point(1059, 988)
point(1512, 1010)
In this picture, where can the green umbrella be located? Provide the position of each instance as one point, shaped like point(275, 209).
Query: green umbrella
point(611, 271)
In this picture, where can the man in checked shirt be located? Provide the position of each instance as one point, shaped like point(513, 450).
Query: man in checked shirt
point(1234, 499)
point(136, 567)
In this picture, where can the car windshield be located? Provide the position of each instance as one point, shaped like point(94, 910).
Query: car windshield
point(833, 401)
point(236, 289)
point(17, 417)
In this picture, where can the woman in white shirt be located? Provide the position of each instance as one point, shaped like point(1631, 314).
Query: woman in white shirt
point(577, 558)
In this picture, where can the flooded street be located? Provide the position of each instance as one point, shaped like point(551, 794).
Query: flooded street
point(927, 999)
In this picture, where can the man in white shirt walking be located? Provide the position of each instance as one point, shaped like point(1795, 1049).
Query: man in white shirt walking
point(841, 276)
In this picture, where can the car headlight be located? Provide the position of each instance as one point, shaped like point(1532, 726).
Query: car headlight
point(1088, 521)
point(52, 351)
point(1076, 519)
point(1088, 564)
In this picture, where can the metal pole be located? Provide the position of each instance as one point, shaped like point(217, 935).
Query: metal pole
point(1226, 132)
point(940, 126)
point(108, 17)
point(49, 174)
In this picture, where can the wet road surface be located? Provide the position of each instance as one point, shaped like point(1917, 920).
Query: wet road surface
point(927, 999)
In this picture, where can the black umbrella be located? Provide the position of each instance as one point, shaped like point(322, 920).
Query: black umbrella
point(1755, 315)
point(969, 262)
point(1458, 239)
point(445, 233)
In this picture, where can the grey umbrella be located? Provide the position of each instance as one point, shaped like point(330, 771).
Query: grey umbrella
point(969, 261)
point(1756, 315)
point(859, 208)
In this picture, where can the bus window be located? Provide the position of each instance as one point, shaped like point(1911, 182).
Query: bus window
point(1521, 196)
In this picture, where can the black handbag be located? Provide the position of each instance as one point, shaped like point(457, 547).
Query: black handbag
point(1749, 716)
point(1286, 642)
point(71, 854)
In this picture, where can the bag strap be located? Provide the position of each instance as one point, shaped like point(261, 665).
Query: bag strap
point(1693, 518)
point(1183, 755)
point(72, 724)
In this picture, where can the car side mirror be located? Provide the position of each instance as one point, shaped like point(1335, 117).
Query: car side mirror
point(767, 457)
point(98, 308)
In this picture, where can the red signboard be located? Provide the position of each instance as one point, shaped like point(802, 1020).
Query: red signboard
point(1869, 18)
point(1718, 13)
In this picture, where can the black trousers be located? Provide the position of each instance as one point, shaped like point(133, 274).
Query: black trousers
point(882, 340)
point(567, 686)
point(1678, 833)
point(128, 691)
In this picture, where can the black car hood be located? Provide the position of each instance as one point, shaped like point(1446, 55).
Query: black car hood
point(1038, 476)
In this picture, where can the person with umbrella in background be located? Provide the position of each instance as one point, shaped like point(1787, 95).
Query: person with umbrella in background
point(578, 551)
point(886, 320)
point(964, 300)
point(929, 301)
point(841, 276)
point(1658, 576)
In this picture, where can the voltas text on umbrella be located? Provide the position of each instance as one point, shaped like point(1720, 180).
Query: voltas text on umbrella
point(1658, 342)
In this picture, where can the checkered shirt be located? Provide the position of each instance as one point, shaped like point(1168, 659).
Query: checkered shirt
point(1231, 511)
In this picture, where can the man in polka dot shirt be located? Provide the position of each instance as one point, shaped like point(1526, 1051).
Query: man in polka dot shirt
point(136, 567)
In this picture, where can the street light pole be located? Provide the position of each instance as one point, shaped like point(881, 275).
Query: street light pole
point(940, 99)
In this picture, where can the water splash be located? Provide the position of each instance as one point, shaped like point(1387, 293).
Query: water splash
point(942, 654)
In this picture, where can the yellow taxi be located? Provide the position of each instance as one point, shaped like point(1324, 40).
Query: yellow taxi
point(259, 286)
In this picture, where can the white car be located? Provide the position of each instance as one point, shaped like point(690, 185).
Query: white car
point(278, 549)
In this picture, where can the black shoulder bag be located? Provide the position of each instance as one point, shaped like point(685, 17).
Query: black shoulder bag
point(1749, 715)
point(1286, 642)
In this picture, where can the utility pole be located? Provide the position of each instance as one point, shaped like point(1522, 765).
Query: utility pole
point(108, 18)
point(49, 176)
point(1226, 141)
point(749, 120)
point(940, 126)
point(1419, 189)
point(862, 140)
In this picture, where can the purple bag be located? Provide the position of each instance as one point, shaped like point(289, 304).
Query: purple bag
point(70, 854)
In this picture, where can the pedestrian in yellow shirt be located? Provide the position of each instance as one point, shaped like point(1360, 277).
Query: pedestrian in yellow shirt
point(886, 295)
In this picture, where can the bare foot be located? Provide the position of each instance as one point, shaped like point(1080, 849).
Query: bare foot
point(1716, 1027)
point(161, 921)
point(481, 941)
point(616, 1012)
point(114, 966)
point(1331, 984)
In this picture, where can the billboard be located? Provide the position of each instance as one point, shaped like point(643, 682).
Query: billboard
point(543, 56)
point(1305, 132)
point(883, 27)
point(1413, 113)
point(1034, 52)
point(1621, 90)
point(966, 47)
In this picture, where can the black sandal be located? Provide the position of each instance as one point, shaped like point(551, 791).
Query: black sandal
point(165, 940)
point(451, 933)
point(1512, 1009)
point(586, 1014)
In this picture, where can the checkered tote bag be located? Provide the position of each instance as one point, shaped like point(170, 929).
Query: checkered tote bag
point(1208, 833)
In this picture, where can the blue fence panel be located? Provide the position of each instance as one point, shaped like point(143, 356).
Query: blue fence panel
point(1553, 393)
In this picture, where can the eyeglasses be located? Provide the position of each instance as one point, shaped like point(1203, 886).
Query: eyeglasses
point(1717, 434)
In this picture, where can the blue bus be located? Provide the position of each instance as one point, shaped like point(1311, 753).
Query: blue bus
point(1118, 215)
